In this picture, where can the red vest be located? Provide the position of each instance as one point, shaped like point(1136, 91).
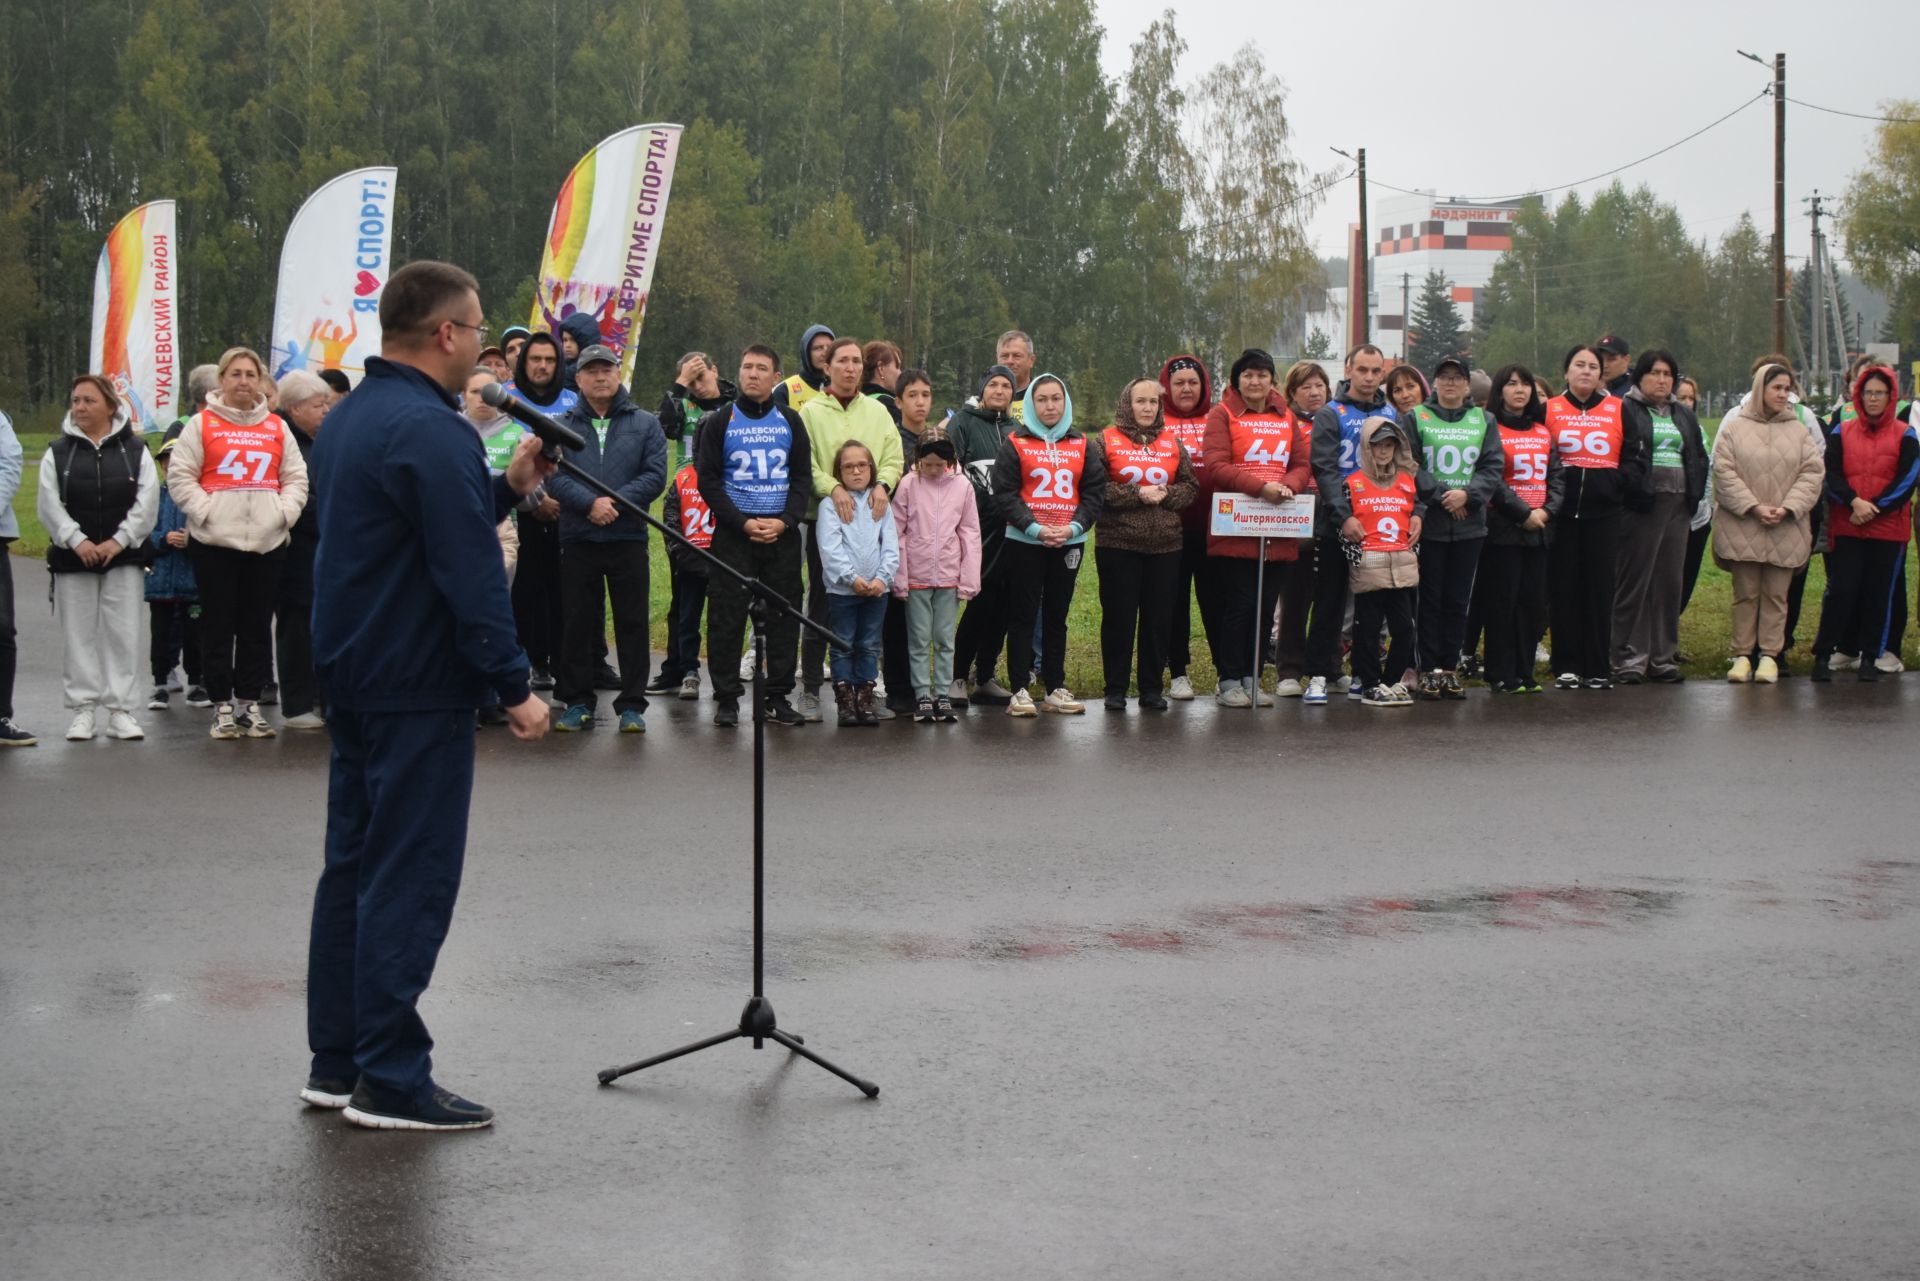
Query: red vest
point(1262, 442)
point(696, 518)
point(1871, 459)
point(1527, 455)
point(236, 457)
point(1385, 512)
point(1587, 437)
point(1050, 476)
point(1192, 435)
point(1154, 463)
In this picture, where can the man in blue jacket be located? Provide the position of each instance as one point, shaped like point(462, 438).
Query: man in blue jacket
point(603, 549)
point(412, 631)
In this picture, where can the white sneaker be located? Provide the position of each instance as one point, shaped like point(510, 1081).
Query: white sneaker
point(1259, 696)
point(306, 720)
point(1380, 696)
point(1233, 695)
point(746, 667)
point(1843, 663)
point(808, 705)
point(82, 727)
point(1343, 684)
point(993, 689)
point(690, 686)
point(1741, 672)
point(1889, 662)
point(957, 693)
point(1290, 688)
point(1063, 702)
point(1181, 691)
point(225, 725)
point(1021, 705)
point(1354, 691)
point(1768, 672)
point(1316, 694)
point(253, 722)
point(121, 725)
point(1542, 655)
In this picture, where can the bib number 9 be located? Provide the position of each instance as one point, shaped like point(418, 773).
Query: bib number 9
point(758, 464)
point(237, 462)
point(1389, 529)
point(1055, 483)
point(1143, 475)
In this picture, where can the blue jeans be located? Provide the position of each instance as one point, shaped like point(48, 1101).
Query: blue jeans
point(396, 840)
point(859, 619)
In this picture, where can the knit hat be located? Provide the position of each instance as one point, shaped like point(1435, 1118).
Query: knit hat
point(997, 371)
point(935, 445)
point(1251, 358)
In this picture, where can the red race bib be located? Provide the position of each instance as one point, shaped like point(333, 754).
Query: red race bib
point(1385, 512)
point(235, 457)
point(1587, 437)
point(696, 518)
point(1050, 476)
point(1154, 463)
point(1191, 433)
point(1527, 453)
point(1263, 443)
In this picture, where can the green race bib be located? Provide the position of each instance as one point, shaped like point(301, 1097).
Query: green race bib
point(1666, 443)
point(1452, 449)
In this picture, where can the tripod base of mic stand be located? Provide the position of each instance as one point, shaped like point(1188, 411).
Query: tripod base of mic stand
point(757, 1025)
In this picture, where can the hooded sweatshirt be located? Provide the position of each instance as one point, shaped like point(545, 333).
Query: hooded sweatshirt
point(585, 331)
point(1386, 501)
point(1191, 428)
point(1459, 449)
point(1336, 449)
point(830, 425)
point(1048, 471)
point(92, 493)
point(808, 382)
point(240, 500)
point(1873, 458)
point(939, 534)
point(553, 397)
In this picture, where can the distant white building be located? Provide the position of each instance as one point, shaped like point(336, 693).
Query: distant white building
point(1413, 235)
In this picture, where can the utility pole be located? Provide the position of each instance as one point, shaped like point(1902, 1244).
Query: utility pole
point(1779, 201)
point(1406, 317)
point(1817, 298)
point(1363, 308)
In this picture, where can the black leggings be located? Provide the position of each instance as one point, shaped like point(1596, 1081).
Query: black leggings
point(1135, 588)
point(1513, 594)
point(1034, 574)
point(237, 594)
point(1240, 615)
point(1582, 579)
point(1862, 576)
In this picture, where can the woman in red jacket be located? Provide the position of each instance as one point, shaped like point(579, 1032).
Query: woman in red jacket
point(1254, 446)
point(1872, 461)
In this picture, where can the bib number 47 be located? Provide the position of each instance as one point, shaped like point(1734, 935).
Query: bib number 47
point(245, 467)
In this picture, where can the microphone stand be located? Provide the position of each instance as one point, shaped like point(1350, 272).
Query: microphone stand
point(756, 1020)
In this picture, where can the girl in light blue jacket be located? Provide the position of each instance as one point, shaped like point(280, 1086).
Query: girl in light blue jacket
point(859, 554)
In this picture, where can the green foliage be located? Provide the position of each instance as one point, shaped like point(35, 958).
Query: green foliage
point(1881, 222)
point(1436, 330)
point(936, 171)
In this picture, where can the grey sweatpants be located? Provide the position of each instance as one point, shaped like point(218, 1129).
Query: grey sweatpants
point(100, 621)
point(1649, 584)
point(931, 615)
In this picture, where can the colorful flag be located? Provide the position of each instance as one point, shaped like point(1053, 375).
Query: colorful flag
point(604, 237)
point(333, 265)
point(136, 312)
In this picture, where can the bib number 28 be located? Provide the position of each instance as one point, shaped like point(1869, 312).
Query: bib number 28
point(1054, 483)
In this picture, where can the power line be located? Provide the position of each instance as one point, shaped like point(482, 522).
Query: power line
point(1541, 191)
point(1857, 115)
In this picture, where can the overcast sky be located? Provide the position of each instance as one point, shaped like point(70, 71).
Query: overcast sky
point(1557, 95)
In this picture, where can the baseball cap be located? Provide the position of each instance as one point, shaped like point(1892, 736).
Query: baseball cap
point(1614, 345)
point(596, 354)
point(1462, 363)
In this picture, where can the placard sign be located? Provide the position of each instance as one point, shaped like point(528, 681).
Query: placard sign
point(1238, 516)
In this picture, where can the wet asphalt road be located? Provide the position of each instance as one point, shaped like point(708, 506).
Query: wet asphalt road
point(1575, 986)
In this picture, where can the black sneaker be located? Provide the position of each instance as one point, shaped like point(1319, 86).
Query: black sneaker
point(923, 710)
point(1598, 682)
point(1153, 703)
point(1431, 686)
point(542, 679)
point(726, 713)
point(663, 684)
point(197, 697)
point(943, 710)
point(327, 1092)
point(1450, 687)
point(605, 677)
point(1629, 678)
point(1667, 676)
point(1822, 672)
point(445, 1110)
point(781, 712)
point(11, 735)
point(157, 701)
point(1116, 702)
point(269, 694)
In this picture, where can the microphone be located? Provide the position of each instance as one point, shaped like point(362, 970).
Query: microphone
point(520, 411)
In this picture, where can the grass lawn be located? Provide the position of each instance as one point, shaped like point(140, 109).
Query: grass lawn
point(1704, 628)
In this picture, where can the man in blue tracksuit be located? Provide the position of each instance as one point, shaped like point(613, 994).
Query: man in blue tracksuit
point(412, 631)
point(601, 547)
point(1336, 456)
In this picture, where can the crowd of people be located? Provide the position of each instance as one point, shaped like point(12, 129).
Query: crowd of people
point(1455, 511)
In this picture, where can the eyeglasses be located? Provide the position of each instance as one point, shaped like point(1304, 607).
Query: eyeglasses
point(479, 330)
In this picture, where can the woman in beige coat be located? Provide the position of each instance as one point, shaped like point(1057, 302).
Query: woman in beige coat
point(1768, 471)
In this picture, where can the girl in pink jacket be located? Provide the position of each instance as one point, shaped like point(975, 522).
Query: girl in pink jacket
point(939, 534)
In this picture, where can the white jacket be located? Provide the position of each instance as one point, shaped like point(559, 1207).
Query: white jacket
point(246, 520)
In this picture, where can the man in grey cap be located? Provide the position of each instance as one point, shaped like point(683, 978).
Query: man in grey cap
point(602, 548)
point(1616, 358)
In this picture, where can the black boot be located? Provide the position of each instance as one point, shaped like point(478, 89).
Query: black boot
point(1822, 669)
point(863, 704)
point(843, 699)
